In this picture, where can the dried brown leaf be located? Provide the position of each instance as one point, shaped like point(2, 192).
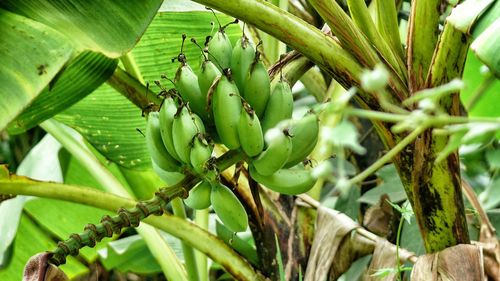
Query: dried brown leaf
point(38, 269)
point(460, 262)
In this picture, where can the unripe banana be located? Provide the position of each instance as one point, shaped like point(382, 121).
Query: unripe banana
point(258, 87)
point(250, 132)
point(226, 108)
point(287, 181)
point(279, 107)
point(279, 147)
point(186, 82)
point(220, 49)
point(185, 127)
point(167, 113)
point(228, 208)
point(199, 196)
point(206, 76)
point(170, 178)
point(201, 152)
point(241, 60)
point(158, 152)
point(304, 138)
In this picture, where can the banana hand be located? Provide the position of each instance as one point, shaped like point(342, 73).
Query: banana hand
point(287, 181)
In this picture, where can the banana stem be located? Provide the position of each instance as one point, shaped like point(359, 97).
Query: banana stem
point(201, 219)
point(189, 257)
point(204, 241)
point(170, 265)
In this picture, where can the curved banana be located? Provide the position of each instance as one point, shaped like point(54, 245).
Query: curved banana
point(199, 196)
point(228, 208)
point(304, 138)
point(170, 178)
point(185, 127)
point(167, 113)
point(158, 152)
point(279, 107)
point(275, 156)
point(201, 152)
point(250, 132)
point(206, 76)
point(258, 86)
point(186, 83)
point(220, 49)
point(286, 181)
point(226, 109)
point(241, 60)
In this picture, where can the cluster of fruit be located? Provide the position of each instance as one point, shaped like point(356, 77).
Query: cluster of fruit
point(231, 100)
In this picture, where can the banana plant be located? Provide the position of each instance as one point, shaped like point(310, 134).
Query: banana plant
point(225, 131)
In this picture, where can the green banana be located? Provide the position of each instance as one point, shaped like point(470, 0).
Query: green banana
point(206, 76)
point(258, 86)
point(199, 196)
point(279, 147)
point(201, 152)
point(157, 150)
point(279, 107)
point(304, 138)
point(186, 82)
point(228, 208)
point(170, 178)
point(287, 181)
point(241, 60)
point(167, 113)
point(220, 49)
point(250, 132)
point(226, 108)
point(185, 127)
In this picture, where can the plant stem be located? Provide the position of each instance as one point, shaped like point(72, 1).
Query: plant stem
point(436, 121)
point(85, 157)
point(189, 258)
point(132, 67)
point(202, 240)
point(169, 263)
point(131, 88)
point(201, 219)
point(295, 32)
point(398, 239)
point(388, 156)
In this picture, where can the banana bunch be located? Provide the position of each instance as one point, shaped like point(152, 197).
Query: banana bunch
point(230, 100)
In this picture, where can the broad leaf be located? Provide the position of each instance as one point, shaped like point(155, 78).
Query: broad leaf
point(391, 186)
point(109, 27)
point(28, 61)
point(487, 103)
point(83, 75)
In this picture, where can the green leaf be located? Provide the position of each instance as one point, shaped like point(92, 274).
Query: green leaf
point(110, 122)
point(30, 241)
point(60, 219)
point(83, 75)
point(28, 61)
point(241, 246)
point(487, 46)
point(464, 16)
point(10, 210)
point(391, 185)
point(129, 254)
point(493, 158)
point(109, 27)
point(487, 102)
